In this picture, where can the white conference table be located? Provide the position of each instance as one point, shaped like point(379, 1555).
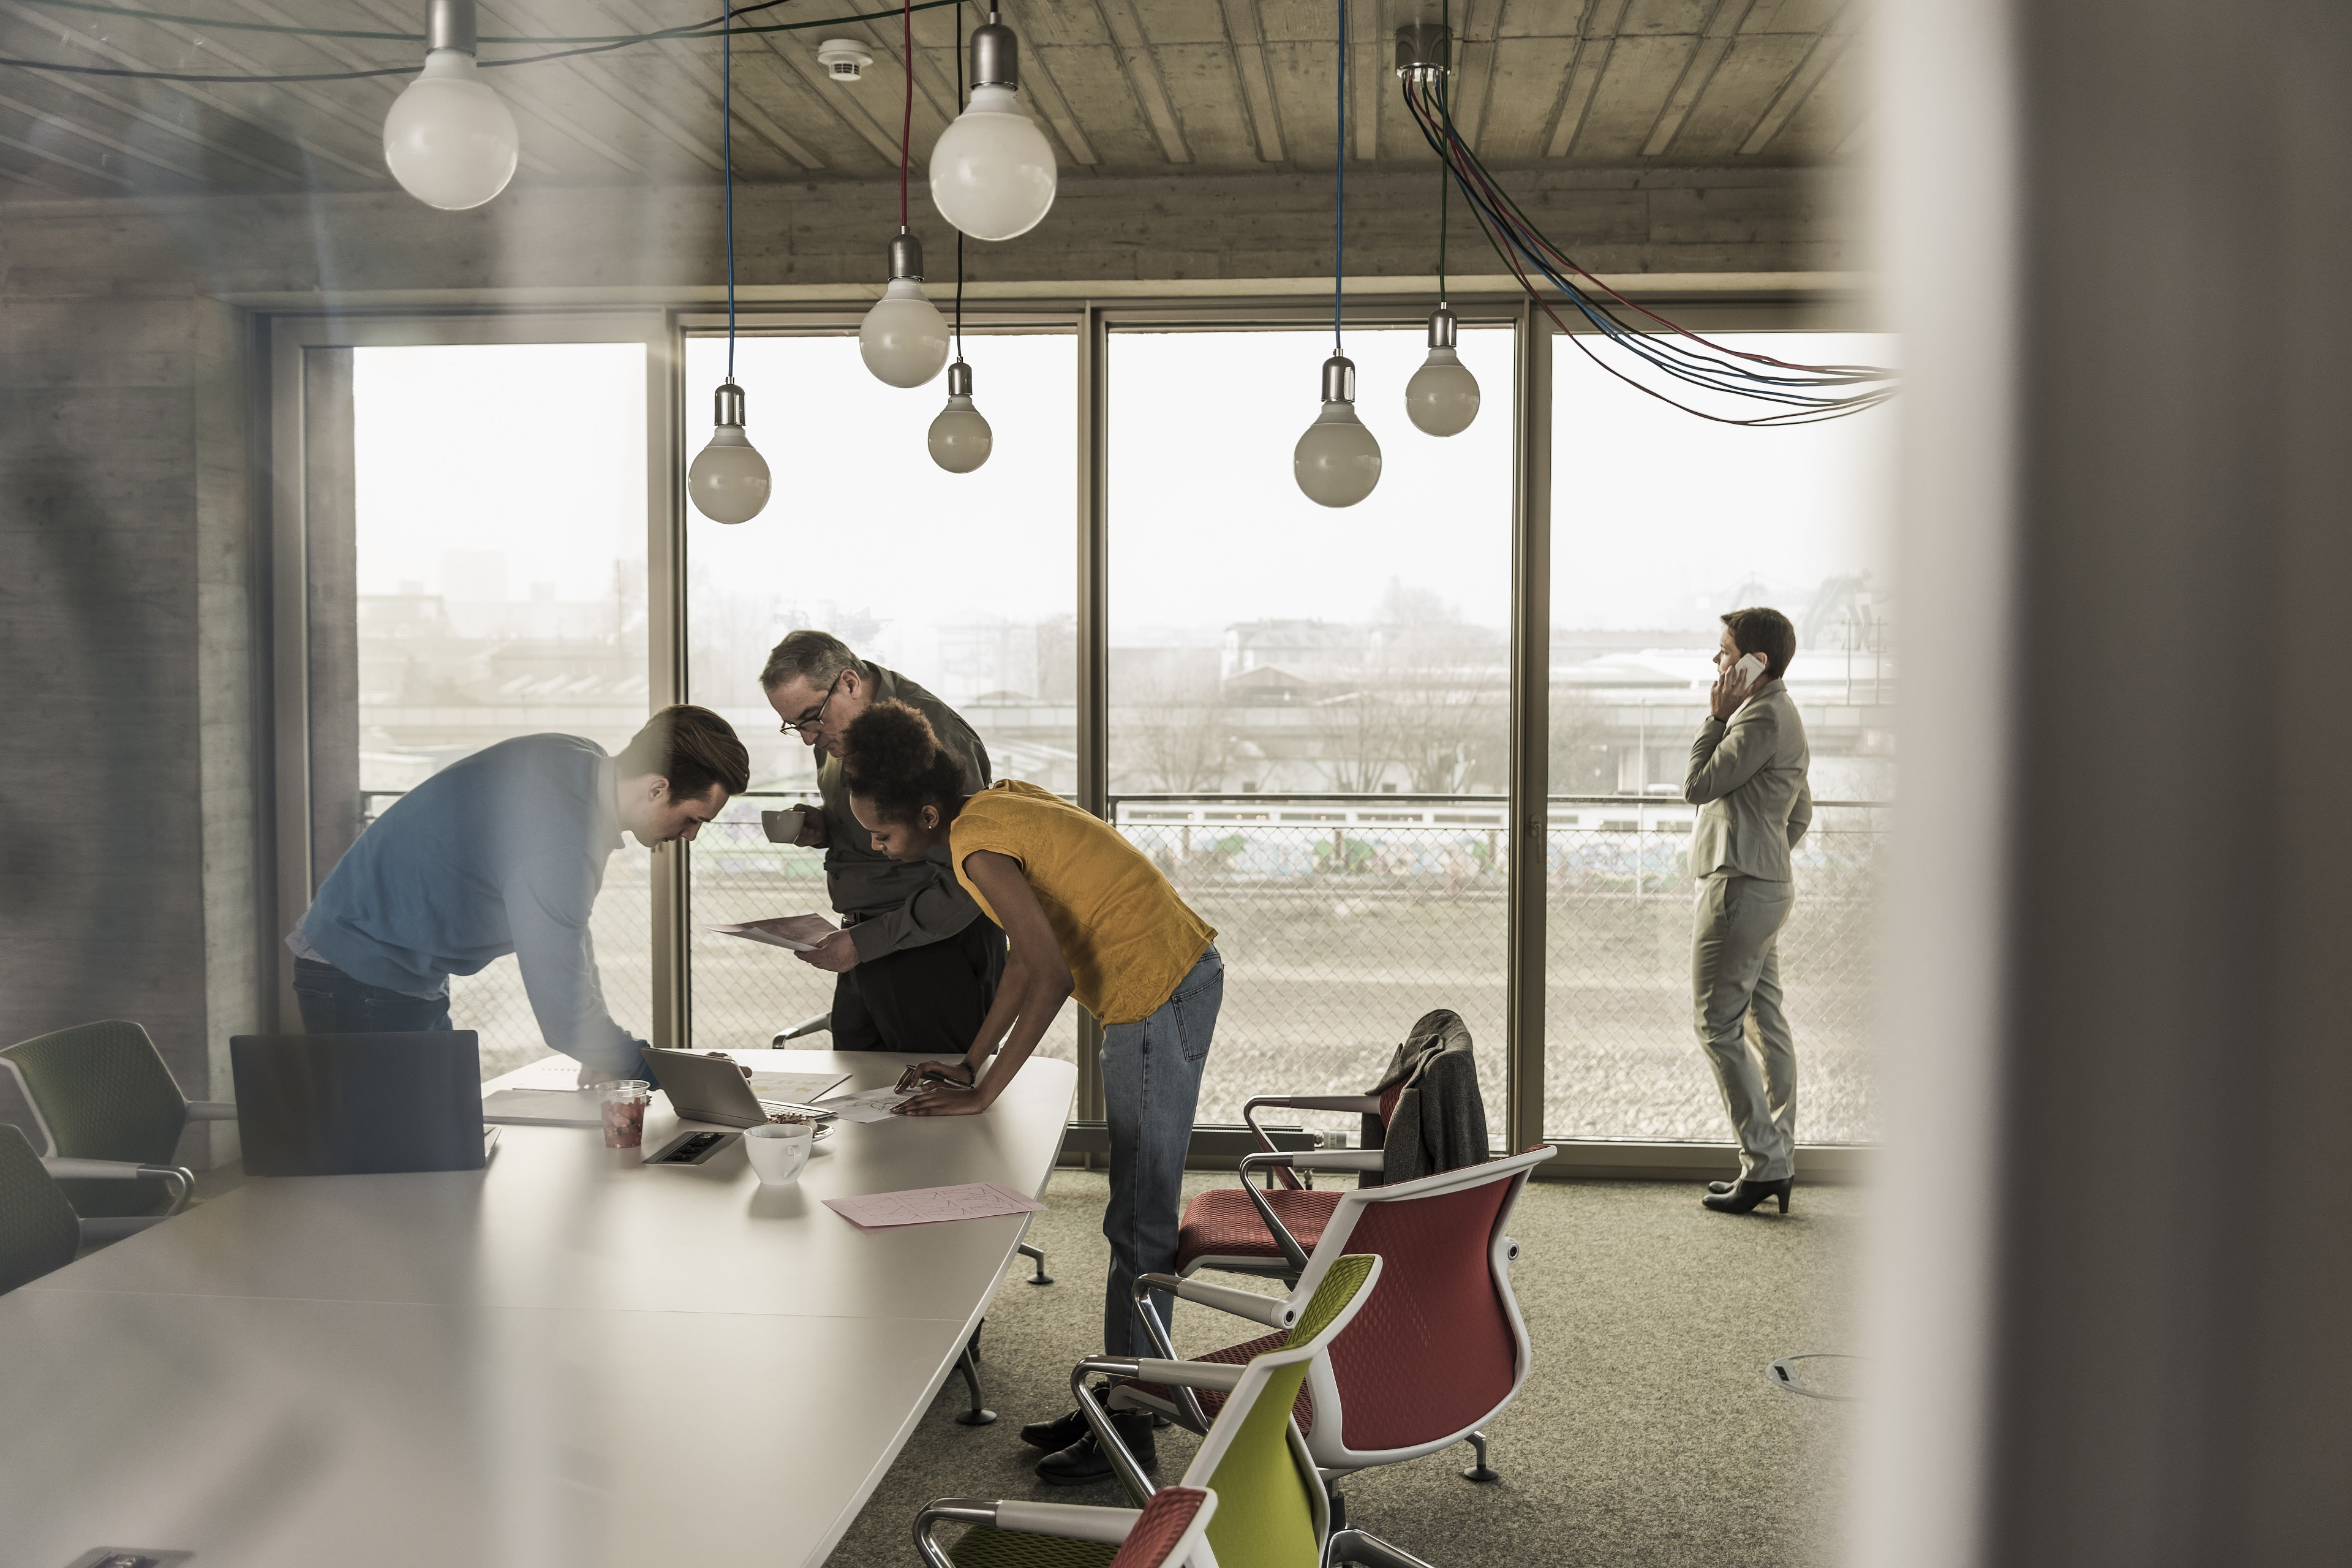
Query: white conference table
point(569, 1357)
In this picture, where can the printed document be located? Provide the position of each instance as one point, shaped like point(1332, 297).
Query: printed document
point(866, 1105)
point(797, 933)
point(933, 1206)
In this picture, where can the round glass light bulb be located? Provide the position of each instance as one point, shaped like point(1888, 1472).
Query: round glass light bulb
point(961, 439)
point(1337, 461)
point(991, 171)
point(904, 339)
point(728, 480)
point(449, 140)
point(1442, 398)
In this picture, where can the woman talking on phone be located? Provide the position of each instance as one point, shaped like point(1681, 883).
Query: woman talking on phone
point(1087, 915)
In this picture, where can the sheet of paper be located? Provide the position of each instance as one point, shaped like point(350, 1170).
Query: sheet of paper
point(866, 1105)
point(539, 1108)
point(933, 1206)
point(804, 1087)
point(554, 1073)
point(796, 933)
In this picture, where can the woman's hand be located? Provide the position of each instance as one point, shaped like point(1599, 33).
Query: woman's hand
point(945, 1101)
point(958, 1073)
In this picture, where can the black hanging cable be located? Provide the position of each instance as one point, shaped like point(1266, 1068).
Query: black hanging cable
point(959, 108)
point(1339, 216)
point(1444, 175)
point(726, 164)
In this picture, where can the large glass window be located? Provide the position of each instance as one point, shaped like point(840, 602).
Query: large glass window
point(1661, 522)
point(497, 504)
point(1309, 726)
point(965, 583)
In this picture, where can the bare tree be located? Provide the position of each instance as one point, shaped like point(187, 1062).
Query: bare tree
point(1178, 733)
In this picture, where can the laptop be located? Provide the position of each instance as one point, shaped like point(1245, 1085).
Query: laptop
point(714, 1090)
point(348, 1105)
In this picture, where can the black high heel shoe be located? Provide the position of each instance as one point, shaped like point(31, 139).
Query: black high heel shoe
point(1746, 1197)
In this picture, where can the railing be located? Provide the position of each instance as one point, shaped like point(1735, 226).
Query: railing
point(1342, 919)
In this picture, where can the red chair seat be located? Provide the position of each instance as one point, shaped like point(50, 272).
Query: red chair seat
point(1223, 1223)
point(1303, 1407)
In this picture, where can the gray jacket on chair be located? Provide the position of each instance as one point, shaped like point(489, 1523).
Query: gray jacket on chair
point(1440, 1122)
point(1747, 779)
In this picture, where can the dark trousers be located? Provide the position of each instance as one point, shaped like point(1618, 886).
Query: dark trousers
point(929, 999)
point(332, 1003)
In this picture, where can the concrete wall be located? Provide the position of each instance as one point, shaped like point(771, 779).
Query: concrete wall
point(132, 872)
point(126, 880)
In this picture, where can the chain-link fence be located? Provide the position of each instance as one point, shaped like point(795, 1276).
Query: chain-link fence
point(1621, 1057)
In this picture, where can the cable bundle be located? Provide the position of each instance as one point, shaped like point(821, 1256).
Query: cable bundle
point(1811, 392)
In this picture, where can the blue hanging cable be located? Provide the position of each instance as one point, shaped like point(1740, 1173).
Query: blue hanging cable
point(1340, 222)
point(727, 163)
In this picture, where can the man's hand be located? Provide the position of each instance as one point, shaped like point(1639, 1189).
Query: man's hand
point(1723, 699)
point(812, 833)
point(836, 953)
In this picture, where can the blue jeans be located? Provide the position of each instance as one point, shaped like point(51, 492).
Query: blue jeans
point(332, 1003)
point(1152, 1082)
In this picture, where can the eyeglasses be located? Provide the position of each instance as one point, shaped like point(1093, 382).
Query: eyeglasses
point(810, 719)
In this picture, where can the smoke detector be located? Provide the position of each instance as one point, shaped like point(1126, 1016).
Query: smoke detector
point(844, 59)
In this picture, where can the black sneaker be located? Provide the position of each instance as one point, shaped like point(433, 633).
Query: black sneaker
point(1083, 1462)
point(1056, 1434)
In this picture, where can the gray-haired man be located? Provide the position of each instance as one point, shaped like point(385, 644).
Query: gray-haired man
point(916, 963)
point(1747, 777)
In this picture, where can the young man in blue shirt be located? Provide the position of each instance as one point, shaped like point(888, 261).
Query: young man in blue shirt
point(500, 852)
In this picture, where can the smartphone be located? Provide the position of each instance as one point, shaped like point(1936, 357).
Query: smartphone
point(1745, 674)
point(784, 827)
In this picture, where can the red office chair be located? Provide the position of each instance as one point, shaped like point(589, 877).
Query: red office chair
point(1435, 1356)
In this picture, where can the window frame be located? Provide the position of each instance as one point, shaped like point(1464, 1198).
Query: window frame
point(673, 415)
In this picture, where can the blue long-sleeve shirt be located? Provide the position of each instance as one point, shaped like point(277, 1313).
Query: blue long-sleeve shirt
point(501, 852)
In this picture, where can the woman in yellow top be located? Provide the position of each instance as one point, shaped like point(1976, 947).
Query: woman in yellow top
point(1087, 915)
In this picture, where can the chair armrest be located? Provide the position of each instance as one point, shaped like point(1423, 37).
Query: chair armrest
point(1272, 1311)
point(1221, 1376)
point(1320, 1160)
point(949, 1511)
point(212, 1110)
point(67, 1168)
point(1070, 1520)
point(1367, 1103)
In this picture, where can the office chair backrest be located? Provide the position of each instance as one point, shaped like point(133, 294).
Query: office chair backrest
point(1448, 1347)
point(39, 1231)
point(1272, 1510)
point(1169, 1526)
point(102, 1092)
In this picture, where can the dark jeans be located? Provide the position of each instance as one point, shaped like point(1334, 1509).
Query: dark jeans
point(929, 999)
point(332, 1003)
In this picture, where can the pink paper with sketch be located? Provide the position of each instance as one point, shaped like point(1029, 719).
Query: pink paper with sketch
point(932, 1205)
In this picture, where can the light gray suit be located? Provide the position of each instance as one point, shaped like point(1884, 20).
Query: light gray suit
point(1747, 779)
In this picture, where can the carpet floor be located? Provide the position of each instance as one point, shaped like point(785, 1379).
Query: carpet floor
point(1647, 1434)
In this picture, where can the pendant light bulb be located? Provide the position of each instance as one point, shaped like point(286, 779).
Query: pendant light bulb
point(1337, 461)
point(1442, 398)
point(450, 139)
point(961, 439)
point(992, 173)
point(904, 339)
point(728, 480)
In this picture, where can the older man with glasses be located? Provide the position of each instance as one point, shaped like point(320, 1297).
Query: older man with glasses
point(916, 963)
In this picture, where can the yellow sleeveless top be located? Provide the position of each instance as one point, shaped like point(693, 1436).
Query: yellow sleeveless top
point(1126, 936)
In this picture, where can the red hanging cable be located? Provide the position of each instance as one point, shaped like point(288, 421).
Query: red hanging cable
point(907, 120)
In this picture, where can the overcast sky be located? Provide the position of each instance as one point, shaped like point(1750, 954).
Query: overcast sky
point(538, 451)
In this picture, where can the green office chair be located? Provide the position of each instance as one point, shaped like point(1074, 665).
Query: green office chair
point(1272, 1510)
point(111, 1115)
point(38, 1232)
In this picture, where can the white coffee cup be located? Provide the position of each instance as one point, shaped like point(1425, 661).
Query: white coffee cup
point(778, 1152)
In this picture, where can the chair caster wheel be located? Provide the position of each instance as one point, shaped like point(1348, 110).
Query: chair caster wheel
point(1475, 1473)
